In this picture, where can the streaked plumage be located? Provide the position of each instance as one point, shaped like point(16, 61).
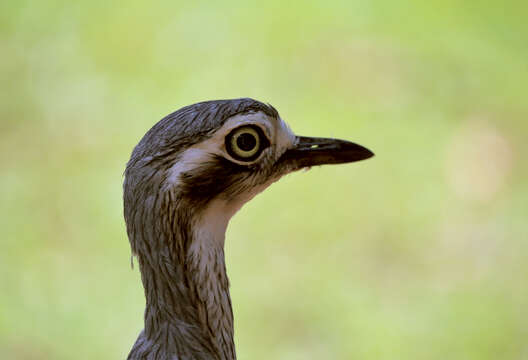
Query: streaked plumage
point(185, 179)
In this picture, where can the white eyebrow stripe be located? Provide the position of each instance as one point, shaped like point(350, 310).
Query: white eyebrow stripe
point(279, 133)
point(188, 160)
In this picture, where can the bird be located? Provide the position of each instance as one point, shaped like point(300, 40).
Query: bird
point(188, 175)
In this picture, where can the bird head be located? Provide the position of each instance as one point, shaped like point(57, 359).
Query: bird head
point(185, 179)
point(220, 154)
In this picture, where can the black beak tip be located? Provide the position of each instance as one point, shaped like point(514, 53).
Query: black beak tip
point(367, 154)
point(351, 152)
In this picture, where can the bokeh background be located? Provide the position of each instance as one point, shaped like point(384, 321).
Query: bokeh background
point(418, 253)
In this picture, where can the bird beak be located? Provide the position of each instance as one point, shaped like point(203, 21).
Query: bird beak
point(312, 151)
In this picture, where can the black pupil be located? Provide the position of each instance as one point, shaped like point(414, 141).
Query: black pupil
point(246, 141)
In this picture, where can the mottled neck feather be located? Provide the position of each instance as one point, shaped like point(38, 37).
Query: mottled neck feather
point(188, 311)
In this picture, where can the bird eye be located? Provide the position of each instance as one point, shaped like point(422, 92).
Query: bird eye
point(246, 143)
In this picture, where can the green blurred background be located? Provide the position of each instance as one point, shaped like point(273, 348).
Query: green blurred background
point(419, 253)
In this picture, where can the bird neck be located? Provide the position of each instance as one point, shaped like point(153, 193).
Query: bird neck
point(188, 306)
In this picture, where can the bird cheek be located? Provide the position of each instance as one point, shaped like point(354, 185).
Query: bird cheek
point(245, 196)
